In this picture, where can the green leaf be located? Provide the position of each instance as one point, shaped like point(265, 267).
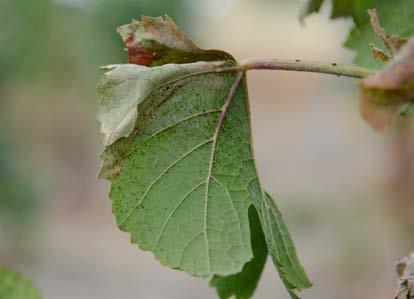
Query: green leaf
point(407, 110)
point(179, 158)
point(15, 286)
point(396, 17)
point(282, 249)
point(243, 284)
point(179, 181)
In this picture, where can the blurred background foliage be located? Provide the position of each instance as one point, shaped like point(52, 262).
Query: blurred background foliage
point(54, 46)
point(345, 191)
point(20, 194)
point(57, 40)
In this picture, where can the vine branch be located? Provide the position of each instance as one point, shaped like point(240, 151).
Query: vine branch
point(301, 66)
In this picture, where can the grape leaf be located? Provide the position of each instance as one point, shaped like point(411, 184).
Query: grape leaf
point(182, 176)
point(179, 158)
point(15, 286)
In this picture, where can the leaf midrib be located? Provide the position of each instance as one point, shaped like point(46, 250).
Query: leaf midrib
point(223, 110)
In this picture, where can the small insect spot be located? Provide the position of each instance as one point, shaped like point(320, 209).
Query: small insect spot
point(297, 60)
point(334, 64)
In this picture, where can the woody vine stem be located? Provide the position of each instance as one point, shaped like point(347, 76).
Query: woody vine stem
point(300, 66)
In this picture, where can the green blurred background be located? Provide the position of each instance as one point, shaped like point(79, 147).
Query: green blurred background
point(345, 190)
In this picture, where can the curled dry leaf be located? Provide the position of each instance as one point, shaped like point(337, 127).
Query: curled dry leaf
point(384, 93)
point(379, 54)
point(405, 271)
point(391, 42)
point(157, 41)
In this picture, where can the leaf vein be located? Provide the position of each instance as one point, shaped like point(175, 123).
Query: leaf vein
point(232, 206)
point(226, 105)
point(188, 244)
point(164, 225)
point(181, 121)
point(161, 175)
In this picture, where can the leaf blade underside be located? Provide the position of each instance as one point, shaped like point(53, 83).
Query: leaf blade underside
point(282, 249)
point(180, 161)
point(184, 130)
point(243, 284)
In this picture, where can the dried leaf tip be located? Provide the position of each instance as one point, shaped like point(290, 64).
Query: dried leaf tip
point(157, 41)
point(392, 43)
point(379, 54)
point(144, 39)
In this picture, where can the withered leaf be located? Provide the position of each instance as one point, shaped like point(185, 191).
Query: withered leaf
point(392, 43)
point(385, 92)
point(405, 271)
point(157, 41)
point(379, 54)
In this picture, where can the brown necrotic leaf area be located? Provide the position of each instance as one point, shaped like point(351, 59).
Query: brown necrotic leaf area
point(138, 55)
point(384, 93)
point(392, 43)
point(158, 41)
